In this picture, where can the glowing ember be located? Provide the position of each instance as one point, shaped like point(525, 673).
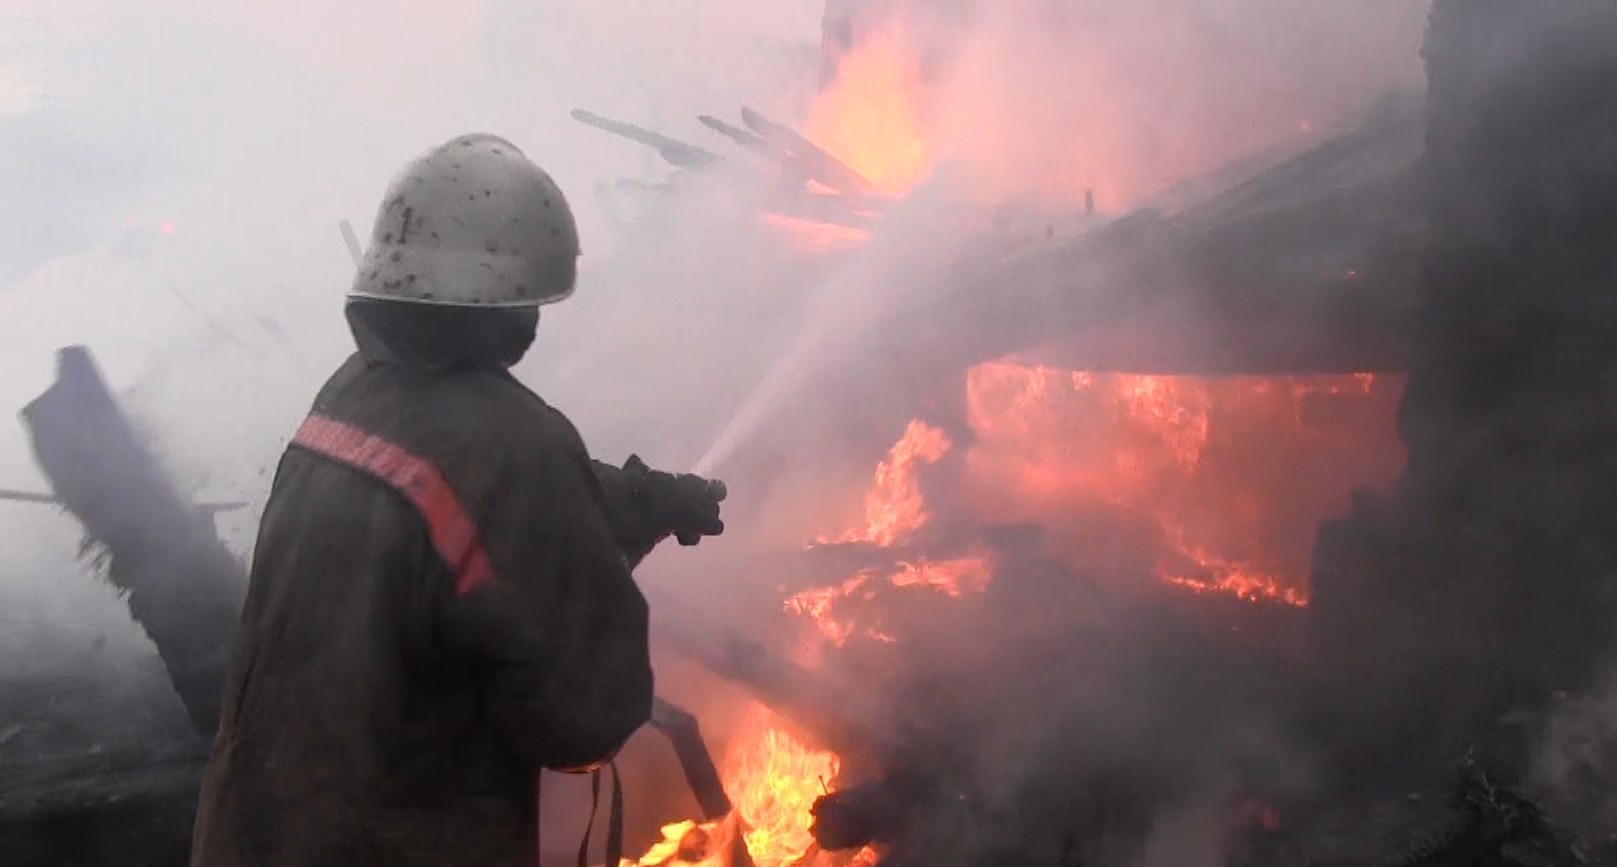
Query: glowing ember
point(866, 857)
point(894, 508)
point(870, 115)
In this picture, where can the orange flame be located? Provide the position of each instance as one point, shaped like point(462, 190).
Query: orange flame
point(818, 603)
point(1218, 468)
point(776, 780)
point(826, 606)
point(894, 508)
point(949, 577)
point(1210, 466)
point(870, 115)
point(773, 780)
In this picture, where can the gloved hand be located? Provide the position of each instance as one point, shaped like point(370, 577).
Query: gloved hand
point(684, 506)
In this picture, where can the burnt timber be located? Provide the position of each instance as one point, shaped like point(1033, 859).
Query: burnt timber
point(1311, 267)
point(183, 586)
point(1307, 265)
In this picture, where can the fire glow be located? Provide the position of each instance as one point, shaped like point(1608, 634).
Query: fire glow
point(1225, 481)
point(870, 115)
point(1215, 487)
point(894, 510)
point(774, 780)
point(894, 507)
point(1228, 477)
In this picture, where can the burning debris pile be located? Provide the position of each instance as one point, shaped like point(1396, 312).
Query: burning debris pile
point(809, 187)
point(956, 538)
point(1127, 553)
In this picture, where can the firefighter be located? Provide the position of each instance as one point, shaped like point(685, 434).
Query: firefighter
point(440, 602)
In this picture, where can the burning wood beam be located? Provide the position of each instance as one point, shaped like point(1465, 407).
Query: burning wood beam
point(685, 734)
point(826, 168)
point(822, 712)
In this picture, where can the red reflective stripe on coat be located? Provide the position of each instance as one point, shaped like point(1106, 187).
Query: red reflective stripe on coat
point(453, 533)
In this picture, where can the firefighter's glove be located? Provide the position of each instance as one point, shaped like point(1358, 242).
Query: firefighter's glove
point(684, 506)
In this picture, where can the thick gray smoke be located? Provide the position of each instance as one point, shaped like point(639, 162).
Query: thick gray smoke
point(181, 171)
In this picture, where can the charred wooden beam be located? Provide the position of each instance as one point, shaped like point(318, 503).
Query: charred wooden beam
point(185, 590)
point(678, 153)
point(750, 141)
point(1310, 267)
point(701, 774)
point(821, 711)
point(183, 586)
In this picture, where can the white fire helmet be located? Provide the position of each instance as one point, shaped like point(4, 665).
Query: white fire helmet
point(472, 223)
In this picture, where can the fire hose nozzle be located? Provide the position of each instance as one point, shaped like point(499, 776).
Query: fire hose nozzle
point(716, 491)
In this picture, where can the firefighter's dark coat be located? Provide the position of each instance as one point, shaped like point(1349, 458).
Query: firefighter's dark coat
point(375, 716)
